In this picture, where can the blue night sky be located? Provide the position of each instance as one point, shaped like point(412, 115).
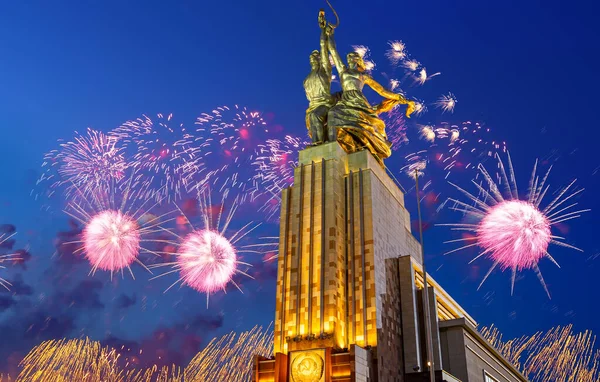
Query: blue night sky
point(525, 70)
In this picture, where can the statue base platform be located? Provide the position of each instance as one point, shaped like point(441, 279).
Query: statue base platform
point(349, 300)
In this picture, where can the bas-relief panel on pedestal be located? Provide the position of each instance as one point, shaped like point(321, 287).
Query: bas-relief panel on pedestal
point(307, 366)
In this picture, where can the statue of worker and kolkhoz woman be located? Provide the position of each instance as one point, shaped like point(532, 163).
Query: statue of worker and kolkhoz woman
point(346, 116)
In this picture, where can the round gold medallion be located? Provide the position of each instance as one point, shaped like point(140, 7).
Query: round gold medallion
point(307, 367)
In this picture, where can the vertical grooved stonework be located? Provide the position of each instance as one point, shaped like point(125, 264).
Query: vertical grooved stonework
point(322, 261)
point(348, 283)
point(311, 252)
point(363, 277)
point(351, 233)
point(299, 252)
point(342, 218)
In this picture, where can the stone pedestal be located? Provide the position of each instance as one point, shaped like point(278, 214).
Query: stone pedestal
point(348, 300)
point(339, 222)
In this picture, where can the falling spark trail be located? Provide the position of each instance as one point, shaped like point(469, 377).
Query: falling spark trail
point(558, 354)
point(228, 358)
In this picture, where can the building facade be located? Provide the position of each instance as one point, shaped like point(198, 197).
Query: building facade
point(349, 301)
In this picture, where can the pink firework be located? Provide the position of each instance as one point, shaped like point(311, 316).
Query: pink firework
point(115, 228)
point(207, 258)
point(111, 240)
point(207, 261)
point(514, 233)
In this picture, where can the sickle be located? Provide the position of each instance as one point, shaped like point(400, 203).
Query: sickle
point(337, 18)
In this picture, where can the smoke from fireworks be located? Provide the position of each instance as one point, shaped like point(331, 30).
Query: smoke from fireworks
point(514, 233)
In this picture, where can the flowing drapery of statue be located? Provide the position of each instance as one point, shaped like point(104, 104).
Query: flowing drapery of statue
point(350, 119)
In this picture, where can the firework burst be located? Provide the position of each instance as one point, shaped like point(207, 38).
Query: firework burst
point(275, 163)
point(415, 165)
point(166, 156)
point(4, 258)
point(411, 65)
point(229, 137)
point(364, 52)
point(396, 52)
point(207, 258)
point(423, 77)
point(89, 161)
point(514, 233)
point(114, 233)
point(111, 240)
point(451, 147)
point(420, 108)
point(446, 103)
point(428, 133)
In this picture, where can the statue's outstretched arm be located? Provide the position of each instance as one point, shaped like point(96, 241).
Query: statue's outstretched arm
point(395, 97)
point(379, 89)
point(337, 60)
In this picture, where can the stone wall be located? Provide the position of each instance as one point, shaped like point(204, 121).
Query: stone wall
point(389, 336)
point(466, 355)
